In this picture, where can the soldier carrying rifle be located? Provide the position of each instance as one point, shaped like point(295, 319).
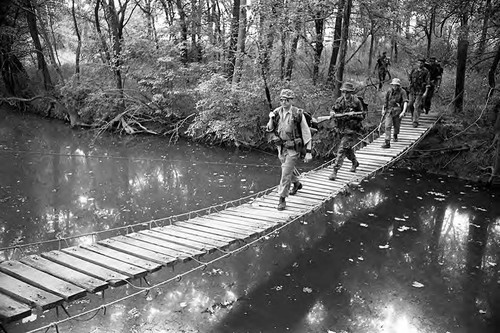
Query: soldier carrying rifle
point(348, 114)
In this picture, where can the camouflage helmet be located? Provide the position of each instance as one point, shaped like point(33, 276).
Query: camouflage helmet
point(396, 81)
point(347, 86)
point(287, 93)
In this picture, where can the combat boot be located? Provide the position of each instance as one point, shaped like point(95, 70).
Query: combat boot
point(355, 164)
point(333, 175)
point(296, 186)
point(387, 144)
point(395, 138)
point(282, 204)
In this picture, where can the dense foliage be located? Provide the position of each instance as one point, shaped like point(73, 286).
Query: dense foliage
point(212, 69)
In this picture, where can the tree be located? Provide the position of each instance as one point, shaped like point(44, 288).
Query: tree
point(343, 47)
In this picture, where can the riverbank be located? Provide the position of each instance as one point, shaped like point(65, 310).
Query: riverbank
point(454, 149)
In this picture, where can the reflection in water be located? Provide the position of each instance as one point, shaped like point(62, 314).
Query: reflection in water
point(402, 253)
point(64, 183)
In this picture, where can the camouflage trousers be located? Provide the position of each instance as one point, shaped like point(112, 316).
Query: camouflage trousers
point(288, 158)
point(416, 106)
point(345, 150)
point(391, 121)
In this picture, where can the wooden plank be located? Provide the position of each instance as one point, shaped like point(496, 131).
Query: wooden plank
point(244, 217)
point(91, 284)
point(228, 240)
point(106, 262)
point(148, 265)
point(206, 239)
point(126, 247)
point(183, 256)
point(259, 220)
point(188, 251)
point(12, 310)
point(221, 226)
point(232, 223)
point(179, 241)
point(275, 216)
point(209, 230)
point(99, 272)
point(26, 293)
point(274, 204)
point(42, 280)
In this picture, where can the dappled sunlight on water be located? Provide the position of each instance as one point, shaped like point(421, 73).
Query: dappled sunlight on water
point(403, 252)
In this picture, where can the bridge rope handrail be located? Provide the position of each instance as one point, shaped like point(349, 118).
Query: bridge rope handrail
point(177, 278)
point(170, 219)
point(370, 137)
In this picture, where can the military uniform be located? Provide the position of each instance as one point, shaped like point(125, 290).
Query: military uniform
point(435, 72)
point(350, 127)
point(382, 64)
point(292, 132)
point(419, 83)
point(394, 102)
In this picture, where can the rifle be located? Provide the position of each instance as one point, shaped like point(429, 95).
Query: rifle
point(381, 119)
point(340, 115)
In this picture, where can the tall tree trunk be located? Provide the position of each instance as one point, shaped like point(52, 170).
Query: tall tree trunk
point(51, 48)
point(242, 34)
point(79, 40)
point(372, 44)
point(319, 24)
point(293, 51)
point(105, 54)
point(115, 28)
point(184, 31)
point(484, 30)
point(432, 25)
point(233, 41)
point(337, 33)
point(339, 77)
point(42, 64)
point(495, 173)
point(463, 46)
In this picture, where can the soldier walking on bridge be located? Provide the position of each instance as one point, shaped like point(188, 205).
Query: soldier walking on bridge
point(382, 64)
point(292, 134)
point(435, 72)
point(419, 87)
point(393, 110)
point(348, 113)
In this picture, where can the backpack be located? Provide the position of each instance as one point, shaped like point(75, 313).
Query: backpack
point(297, 115)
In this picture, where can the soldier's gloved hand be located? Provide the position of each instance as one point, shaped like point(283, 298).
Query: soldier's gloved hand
point(271, 115)
point(308, 157)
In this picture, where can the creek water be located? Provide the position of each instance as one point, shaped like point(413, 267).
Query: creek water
point(402, 252)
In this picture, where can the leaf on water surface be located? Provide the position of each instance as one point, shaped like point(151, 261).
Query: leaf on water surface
point(183, 304)
point(277, 288)
point(363, 225)
point(371, 214)
point(386, 246)
point(307, 290)
point(403, 228)
point(399, 219)
point(482, 311)
point(420, 198)
point(417, 284)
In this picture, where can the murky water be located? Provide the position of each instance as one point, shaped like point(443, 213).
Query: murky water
point(404, 252)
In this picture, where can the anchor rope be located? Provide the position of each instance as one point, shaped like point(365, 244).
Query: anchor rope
point(177, 278)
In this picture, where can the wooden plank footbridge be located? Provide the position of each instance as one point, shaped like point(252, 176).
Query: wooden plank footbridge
point(55, 278)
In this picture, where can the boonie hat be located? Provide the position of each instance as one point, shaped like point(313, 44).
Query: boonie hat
point(287, 93)
point(347, 86)
point(396, 81)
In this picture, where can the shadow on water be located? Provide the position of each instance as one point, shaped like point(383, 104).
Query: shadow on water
point(403, 252)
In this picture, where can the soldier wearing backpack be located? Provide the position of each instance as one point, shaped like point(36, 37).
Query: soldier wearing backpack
point(292, 134)
point(420, 84)
point(348, 113)
point(393, 110)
